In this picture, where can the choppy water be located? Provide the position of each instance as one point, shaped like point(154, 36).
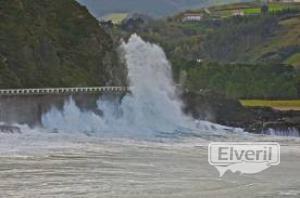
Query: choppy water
point(52, 167)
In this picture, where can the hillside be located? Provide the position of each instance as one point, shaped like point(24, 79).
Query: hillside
point(54, 43)
point(220, 36)
point(255, 37)
point(252, 55)
point(150, 7)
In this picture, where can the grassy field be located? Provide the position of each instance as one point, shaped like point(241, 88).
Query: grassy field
point(252, 11)
point(294, 60)
point(285, 37)
point(272, 8)
point(251, 8)
point(276, 104)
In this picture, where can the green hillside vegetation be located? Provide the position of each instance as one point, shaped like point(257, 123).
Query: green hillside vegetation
point(249, 8)
point(284, 46)
point(54, 43)
point(246, 8)
point(254, 44)
point(294, 60)
point(244, 81)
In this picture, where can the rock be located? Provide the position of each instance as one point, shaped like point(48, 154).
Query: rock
point(215, 107)
point(9, 129)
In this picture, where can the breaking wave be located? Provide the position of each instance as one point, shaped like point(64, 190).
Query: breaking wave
point(152, 108)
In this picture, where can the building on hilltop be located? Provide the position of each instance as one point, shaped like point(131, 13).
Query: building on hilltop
point(188, 17)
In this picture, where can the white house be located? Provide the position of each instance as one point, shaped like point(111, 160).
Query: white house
point(192, 17)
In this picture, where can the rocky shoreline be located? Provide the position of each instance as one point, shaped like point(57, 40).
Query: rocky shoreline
point(217, 108)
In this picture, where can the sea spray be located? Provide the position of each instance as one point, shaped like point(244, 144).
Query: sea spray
point(151, 109)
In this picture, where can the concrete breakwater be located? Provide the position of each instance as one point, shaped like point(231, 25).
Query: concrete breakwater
point(28, 109)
